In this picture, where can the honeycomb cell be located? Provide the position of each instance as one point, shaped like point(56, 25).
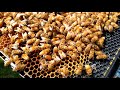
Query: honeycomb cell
point(36, 66)
point(34, 59)
point(34, 76)
point(34, 71)
point(32, 63)
point(26, 69)
point(30, 73)
point(31, 68)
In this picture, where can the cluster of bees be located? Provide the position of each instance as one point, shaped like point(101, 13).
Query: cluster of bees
point(56, 35)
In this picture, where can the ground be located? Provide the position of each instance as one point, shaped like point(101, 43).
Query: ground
point(6, 72)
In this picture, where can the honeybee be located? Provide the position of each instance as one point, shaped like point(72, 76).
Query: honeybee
point(114, 25)
point(60, 36)
point(64, 71)
point(8, 62)
point(78, 70)
point(16, 52)
point(110, 28)
point(51, 65)
point(30, 41)
point(94, 39)
point(44, 52)
point(48, 57)
point(74, 56)
point(25, 56)
point(19, 67)
point(78, 36)
point(37, 42)
point(44, 46)
point(56, 42)
point(38, 33)
point(88, 47)
point(101, 41)
point(85, 32)
point(91, 54)
point(62, 28)
point(95, 47)
point(88, 69)
point(85, 40)
point(89, 36)
point(70, 47)
point(101, 56)
point(24, 35)
point(69, 35)
point(62, 54)
point(25, 49)
point(55, 49)
point(43, 64)
point(79, 49)
point(98, 33)
point(31, 34)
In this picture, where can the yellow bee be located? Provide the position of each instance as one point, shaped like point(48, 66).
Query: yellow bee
point(30, 41)
point(78, 70)
point(91, 54)
point(101, 56)
point(88, 69)
point(25, 56)
point(94, 39)
point(88, 47)
point(101, 41)
point(44, 52)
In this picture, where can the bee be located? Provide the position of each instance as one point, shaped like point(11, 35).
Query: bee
point(94, 39)
point(89, 36)
point(38, 33)
point(98, 33)
point(30, 41)
point(58, 23)
point(62, 54)
point(94, 29)
point(91, 54)
point(25, 49)
point(64, 71)
point(56, 42)
point(44, 52)
point(43, 64)
point(88, 69)
point(31, 34)
point(114, 25)
point(16, 52)
point(99, 53)
point(74, 56)
point(25, 56)
point(79, 49)
point(51, 65)
point(102, 56)
point(25, 36)
point(37, 42)
point(55, 49)
point(95, 47)
point(48, 57)
point(86, 32)
point(54, 39)
point(78, 36)
point(4, 30)
point(110, 28)
point(85, 40)
point(69, 35)
point(33, 48)
point(8, 62)
point(60, 36)
point(19, 67)
point(70, 47)
point(78, 70)
point(88, 47)
point(101, 41)
point(18, 41)
point(78, 43)
point(44, 46)
point(62, 28)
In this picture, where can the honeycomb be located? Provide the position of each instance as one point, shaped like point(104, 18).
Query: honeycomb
point(32, 68)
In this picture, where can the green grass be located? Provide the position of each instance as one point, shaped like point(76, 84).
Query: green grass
point(6, 72)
